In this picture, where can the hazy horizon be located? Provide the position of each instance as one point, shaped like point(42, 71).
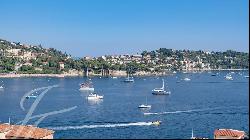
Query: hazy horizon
point(95, 28)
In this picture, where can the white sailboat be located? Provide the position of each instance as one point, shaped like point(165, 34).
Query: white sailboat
point(87, 86)
point(160, 91)
point(144, 105)
point(129, 79)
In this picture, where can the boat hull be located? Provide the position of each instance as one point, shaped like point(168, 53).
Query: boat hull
point(161, 93)
point(87, 89)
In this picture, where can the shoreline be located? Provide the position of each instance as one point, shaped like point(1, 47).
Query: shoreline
point(139, 73)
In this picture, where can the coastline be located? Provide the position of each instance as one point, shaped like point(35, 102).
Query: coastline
point(117, 73)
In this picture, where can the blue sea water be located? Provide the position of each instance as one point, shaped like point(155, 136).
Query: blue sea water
point(203, 104)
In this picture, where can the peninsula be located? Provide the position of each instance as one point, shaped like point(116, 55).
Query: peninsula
point(21, 60)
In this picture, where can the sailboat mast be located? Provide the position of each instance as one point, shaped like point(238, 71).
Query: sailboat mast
point(192, 134)
point(163, 84)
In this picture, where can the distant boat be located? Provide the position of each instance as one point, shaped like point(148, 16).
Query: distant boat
point(31, 96)
point(144, 106)
point(186, 79)
point(1, 87)
point(156, 123)
point(129, 79)
point(247, 76)
point(174, 72)
point(160, 91)
point(114, 77)
point(87, 86)
point(229, 77)
point(214, 74)
point(94, 96)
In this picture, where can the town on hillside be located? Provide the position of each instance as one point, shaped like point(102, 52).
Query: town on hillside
point(18, 58)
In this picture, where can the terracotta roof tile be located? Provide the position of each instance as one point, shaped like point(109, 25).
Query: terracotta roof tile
point(20, 131)
point(228, 132)
point(4, 127)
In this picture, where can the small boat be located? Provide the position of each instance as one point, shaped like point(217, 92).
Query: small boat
point(186, 79)
point(229, 77)
point(160, 91)
point(31, 96)
point(144, 106)
point(114, 77)
point(174, 71)
point(156, 123)
point(247, 76)
point(1, 87)
point(87, 86)
point(94, 96)
point(129, 79)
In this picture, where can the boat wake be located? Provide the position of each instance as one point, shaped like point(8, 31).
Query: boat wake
point(184, 111)
point(101, 126)
point(174, 112)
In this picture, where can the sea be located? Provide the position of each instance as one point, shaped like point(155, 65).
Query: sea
point(202, 105)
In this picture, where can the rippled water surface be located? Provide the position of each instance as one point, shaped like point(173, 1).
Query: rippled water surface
point(203, 104)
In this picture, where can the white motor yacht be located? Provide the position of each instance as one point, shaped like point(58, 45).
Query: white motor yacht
point(186, 79)
point(229, 77)
point(94, 96)
point(31, 96)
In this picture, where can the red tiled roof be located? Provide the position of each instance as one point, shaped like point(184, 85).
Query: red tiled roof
point(4, 127)
point(19, 131)
point(229, 132)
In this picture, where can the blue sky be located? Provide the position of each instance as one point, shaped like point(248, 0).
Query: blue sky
point(98, 27)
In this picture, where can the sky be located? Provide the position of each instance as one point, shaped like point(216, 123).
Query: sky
point(109, 27)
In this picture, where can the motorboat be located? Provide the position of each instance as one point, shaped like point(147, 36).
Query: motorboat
point(1, 87)
point(160, 91)
point(144, 105)
point(87, 86)
point(31, 96)
point(129, 79)
point(174, 72)
point(94, 96)
point(247, 76)
point(156, 123)
point(114, 77)
point(186, 79)
point(229, 77)
point(213, 74)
